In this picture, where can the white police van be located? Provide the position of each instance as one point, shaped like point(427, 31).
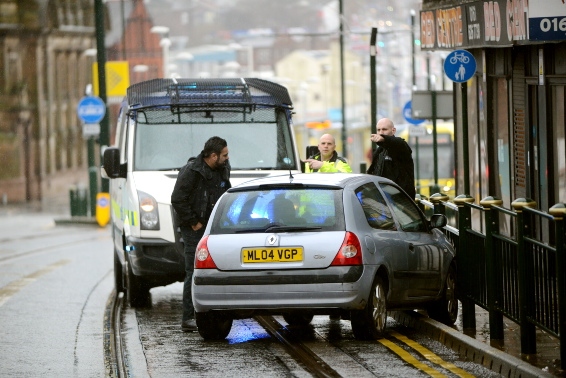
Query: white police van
point(164, 122)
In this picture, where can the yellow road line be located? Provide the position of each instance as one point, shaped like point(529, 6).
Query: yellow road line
point(12, 288)
point(410, 359)
point(429, 355)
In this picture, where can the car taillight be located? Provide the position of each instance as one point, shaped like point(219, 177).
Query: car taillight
point(203, 260)
point(350, 252)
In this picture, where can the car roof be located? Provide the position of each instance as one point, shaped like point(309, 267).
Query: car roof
point(333, 180)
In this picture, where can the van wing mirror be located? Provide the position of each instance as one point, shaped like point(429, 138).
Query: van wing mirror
point(111, 163)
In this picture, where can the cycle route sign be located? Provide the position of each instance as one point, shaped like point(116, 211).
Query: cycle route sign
point(460, 66)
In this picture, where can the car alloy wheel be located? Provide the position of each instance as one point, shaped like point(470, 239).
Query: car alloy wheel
point(445, 310)
point(369, 323)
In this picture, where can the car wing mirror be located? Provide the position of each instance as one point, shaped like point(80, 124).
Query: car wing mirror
point(438, 221)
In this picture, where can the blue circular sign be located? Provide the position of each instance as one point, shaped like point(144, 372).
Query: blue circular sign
point(460, 66)
point(408, 114)
point(91, 109)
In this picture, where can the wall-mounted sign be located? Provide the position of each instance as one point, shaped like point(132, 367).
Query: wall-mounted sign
point(547, 20)
point(477, 24)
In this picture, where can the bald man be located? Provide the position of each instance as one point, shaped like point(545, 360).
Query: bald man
point(327, 160)
point(392, 158)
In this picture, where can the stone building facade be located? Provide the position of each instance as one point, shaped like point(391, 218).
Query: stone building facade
point(43, 74)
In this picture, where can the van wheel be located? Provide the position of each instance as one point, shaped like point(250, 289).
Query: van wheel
point(369, 323)
point(118, 275)
point(137, 291)
point(213, 325)
point(445, 310)
point(298, 319)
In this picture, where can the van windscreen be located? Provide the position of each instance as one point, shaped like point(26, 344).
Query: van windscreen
point(257, 139)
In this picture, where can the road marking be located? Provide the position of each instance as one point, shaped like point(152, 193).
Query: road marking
point(12, 288)
point(410, 359)
point(429, 355)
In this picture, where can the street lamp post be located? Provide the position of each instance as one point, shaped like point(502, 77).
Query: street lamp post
point(165, 43)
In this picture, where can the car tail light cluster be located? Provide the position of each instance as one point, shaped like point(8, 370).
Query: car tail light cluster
point(203, 260)
point(350, 252)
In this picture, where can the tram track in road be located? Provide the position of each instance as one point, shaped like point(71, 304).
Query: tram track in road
point(115, 359)
point(6, 256)
point(410, 351)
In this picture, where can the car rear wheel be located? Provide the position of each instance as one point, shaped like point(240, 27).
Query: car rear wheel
point(298, 319)
point(212, 325)
point(137, 290)
point(446, 309)
point(369, 323)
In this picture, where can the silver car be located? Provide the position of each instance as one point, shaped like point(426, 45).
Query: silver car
point(349, 245)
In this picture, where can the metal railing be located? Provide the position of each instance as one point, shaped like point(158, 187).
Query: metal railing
point(511, 263)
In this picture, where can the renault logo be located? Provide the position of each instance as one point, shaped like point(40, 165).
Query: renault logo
point(272, 239)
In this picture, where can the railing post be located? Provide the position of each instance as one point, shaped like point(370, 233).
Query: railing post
point(437, 200)
point(528, 330)
point(558, 211)
point(494, 295)
point(464, 260)
point(418, 198)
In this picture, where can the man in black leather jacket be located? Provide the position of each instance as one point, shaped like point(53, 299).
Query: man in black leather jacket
point(392, 158)
point(199, 185)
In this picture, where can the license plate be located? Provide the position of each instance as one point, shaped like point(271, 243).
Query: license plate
point(277, 254)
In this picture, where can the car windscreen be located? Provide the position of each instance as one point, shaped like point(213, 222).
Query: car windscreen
point(257, 140)
point(279, 210)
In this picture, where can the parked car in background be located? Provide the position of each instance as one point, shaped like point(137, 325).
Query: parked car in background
point(300, 245)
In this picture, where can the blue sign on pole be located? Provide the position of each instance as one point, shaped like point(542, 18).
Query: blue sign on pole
point(91, 109)
point(460, 66)
point(408, 114)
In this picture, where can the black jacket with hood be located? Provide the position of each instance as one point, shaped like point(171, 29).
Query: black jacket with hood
point(392, 159)
point(197, 189)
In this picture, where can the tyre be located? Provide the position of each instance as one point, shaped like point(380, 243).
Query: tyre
point(298, 319)
point(118, 275)
point(213, 325)
point(369, 323)
point(445, 310)
point(137, 291)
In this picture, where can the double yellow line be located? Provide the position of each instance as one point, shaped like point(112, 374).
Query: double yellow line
point(407, 357)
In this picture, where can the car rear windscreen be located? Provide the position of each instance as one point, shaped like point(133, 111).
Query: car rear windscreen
point(256, 210)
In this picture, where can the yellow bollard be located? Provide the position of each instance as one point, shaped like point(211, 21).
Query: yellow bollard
point(102, 209)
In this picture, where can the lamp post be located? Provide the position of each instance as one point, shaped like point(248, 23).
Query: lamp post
point(165, 43)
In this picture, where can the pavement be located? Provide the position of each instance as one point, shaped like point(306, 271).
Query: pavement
point(503, 357)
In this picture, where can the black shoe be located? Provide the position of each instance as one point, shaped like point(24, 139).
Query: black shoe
point(189, 325)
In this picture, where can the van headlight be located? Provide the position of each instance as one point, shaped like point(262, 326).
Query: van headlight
point(149, 216)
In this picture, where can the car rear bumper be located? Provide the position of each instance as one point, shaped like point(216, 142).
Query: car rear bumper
point(331, 288)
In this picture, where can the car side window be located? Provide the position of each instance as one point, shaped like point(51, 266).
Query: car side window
point(405, 209)
point(378, 213)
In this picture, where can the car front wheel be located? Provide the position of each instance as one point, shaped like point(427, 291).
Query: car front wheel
point(369, 323)
point(212, 325)
point(445, 310)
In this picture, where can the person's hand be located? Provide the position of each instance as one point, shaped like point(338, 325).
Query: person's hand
point(376, 138)
point(197, 226)
point(313, 163)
